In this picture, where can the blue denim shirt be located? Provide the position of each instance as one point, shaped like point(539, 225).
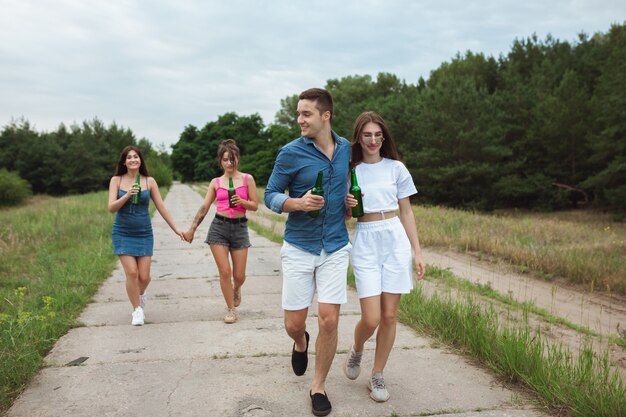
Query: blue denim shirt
point(295, 169)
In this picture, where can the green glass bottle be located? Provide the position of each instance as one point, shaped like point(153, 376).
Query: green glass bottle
point(231, 193)
point(317, 190)
point(138, 184)
point(355, 190)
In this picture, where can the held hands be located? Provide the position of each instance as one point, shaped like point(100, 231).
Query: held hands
point(188, 235)
point(311, 202)
point(180, 234)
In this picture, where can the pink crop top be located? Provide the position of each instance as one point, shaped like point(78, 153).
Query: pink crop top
point(221, 197)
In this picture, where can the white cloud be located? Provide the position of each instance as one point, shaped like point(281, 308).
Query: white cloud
point(158, 66)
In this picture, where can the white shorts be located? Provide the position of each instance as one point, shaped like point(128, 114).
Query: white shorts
point(303, 272)
point(381, 258)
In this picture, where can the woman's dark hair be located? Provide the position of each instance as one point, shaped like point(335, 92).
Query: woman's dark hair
point(230, 146)
point(388, 148)
point(121, 169)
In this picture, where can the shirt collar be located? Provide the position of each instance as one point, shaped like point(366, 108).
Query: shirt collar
point(335, 137)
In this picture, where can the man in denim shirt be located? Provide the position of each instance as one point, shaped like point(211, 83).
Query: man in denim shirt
point(315, 251)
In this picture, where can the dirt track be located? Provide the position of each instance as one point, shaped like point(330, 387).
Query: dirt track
point(602, 313)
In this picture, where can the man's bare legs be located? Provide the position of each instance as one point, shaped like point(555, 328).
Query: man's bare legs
point(325, 345)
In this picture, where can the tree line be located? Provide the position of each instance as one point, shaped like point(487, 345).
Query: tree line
point(541, 127)
point(73, 160)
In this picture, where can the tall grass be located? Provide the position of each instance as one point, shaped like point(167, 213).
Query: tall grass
point(585, 249)
point(584, 386)
point(450, 280)
point(55, 254)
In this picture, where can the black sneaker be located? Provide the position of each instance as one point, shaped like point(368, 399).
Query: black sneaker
point(320, 404)
point(300, 360)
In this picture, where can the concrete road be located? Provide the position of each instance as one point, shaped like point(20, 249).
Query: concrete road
point(186, 362)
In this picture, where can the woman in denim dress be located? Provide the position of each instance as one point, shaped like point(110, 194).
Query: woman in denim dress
point(132, 231)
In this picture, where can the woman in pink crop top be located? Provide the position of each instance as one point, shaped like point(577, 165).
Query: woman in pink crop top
point(228, 233)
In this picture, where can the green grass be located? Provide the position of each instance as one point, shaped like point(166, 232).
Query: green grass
point(452, 281)
point(586, 385)
point(266, 233)
point(55, 254)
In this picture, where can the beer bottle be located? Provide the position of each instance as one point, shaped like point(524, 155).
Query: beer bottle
point(355, 190)
point(231, 193)
point(317, 190)
point(138, 184)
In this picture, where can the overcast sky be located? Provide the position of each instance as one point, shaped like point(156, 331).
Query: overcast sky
point(158, 66)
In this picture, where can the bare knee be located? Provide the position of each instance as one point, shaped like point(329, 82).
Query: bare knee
point(389, 318)
point(132, 274)
point(328, 323)
point(225, 274)
point(370, 322)
point(144, 279)
point(239, 278)
point(294, 327)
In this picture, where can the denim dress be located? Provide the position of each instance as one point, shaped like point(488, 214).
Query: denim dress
point(132, 230)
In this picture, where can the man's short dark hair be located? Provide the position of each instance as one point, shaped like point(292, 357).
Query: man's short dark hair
point(322, 98)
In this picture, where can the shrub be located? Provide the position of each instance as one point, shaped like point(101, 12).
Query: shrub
point(161, 173)
point(13, 189)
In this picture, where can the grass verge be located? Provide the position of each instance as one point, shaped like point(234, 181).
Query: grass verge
point(55, 254)
point(452, 281)
point(581, 386)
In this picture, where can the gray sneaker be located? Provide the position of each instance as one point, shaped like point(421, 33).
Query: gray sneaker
point(352, 366)
point(376, 385)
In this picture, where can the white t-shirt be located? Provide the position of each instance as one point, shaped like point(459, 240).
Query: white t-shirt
point(383, 184)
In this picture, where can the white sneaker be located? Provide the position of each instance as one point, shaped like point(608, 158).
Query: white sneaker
point(352, 366)
point(138, 317)
point(376, 384)
point(143, 298)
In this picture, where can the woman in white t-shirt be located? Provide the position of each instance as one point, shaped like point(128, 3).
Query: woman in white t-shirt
point(384, 246)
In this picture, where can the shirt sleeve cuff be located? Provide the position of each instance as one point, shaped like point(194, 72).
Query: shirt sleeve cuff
point(277, 202)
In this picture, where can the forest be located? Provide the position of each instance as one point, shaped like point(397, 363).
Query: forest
point(542, 127)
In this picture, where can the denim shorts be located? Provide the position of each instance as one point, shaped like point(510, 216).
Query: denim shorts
point(229, 232)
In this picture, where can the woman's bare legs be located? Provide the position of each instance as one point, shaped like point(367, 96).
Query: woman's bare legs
point(378, 312)
point(220, 254)
point(240, 259)
point(370, 318)
point(143, 265)
point(386, 335)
